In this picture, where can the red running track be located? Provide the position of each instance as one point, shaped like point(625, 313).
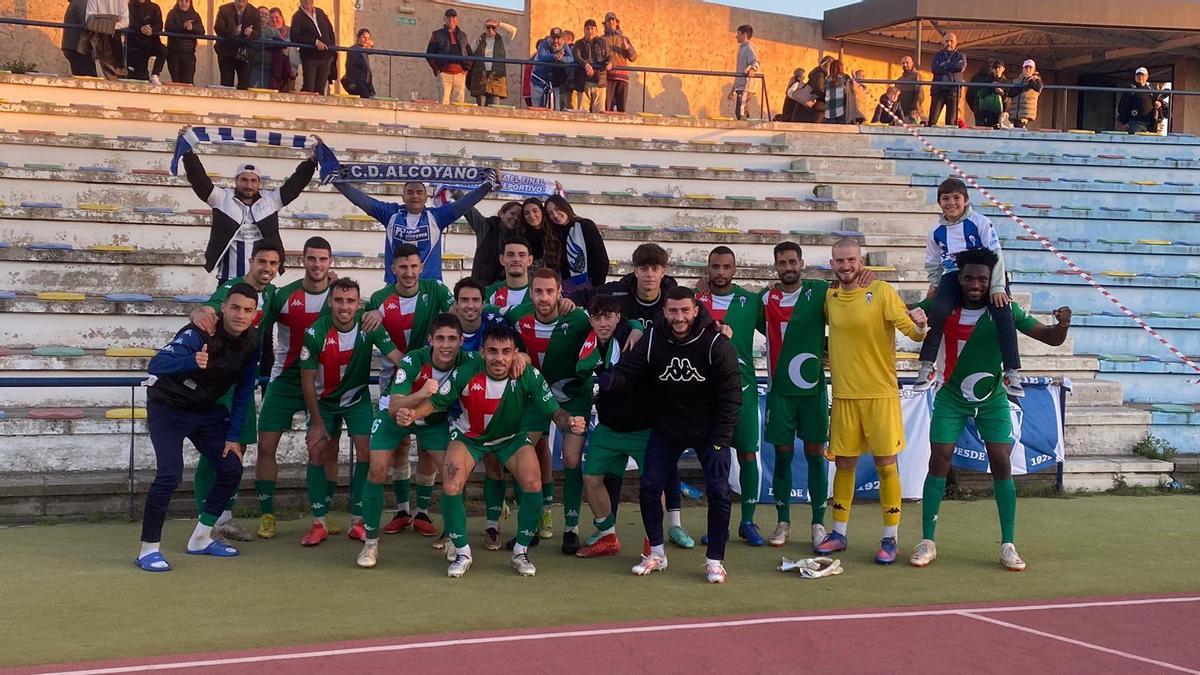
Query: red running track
point(1113, 635)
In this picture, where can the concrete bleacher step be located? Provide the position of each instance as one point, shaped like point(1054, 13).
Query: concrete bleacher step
point(1100, 473)
point(1104, 430)
point(1095, 392)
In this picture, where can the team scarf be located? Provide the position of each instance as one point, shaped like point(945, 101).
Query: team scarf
point(188, 141)
point(577, 259)
point(449, 177)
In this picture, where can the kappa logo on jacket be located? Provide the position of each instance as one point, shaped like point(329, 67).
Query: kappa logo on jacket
point(681, 370)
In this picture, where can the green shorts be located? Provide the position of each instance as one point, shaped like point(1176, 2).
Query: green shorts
point(357, 416)
point(533, 421)
point(503, 450)
point(386, 435)
point(803, 417)
point(281, 402)
point(608, 451)
point(250, 425)
point(992, 419)
point(747, 435)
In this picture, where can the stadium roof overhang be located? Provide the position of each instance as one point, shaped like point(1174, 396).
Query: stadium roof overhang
point(1075, 35)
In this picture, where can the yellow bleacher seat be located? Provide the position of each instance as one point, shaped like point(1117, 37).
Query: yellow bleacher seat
point(359, 217)
point(1088, 132)
point(129, 352)
point(125, 414)
point(1118, 274)
point(61, 295)
point(97, 206)
point(907, 356)
point(721, 230)
point(881, 268)
point(1154, 242)
point(698, 196)
point(453, 256)
point(1146, 182)
point(112, 248)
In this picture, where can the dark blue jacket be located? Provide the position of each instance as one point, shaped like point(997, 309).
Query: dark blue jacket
point(439, 43)
point(948, 67)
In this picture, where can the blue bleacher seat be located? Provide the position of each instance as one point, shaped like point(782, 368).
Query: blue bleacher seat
point(347, 254)
point(50, 246)
point(153, 209)
point(97, 169)
point(190, 299)
point(7, 295)
point(33, 204)
point(658, 195)
point(128, 297)
point(311, 216)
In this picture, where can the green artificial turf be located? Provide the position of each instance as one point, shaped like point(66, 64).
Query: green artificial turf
point(72, 593)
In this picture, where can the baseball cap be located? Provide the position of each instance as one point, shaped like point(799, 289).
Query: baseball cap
point(1142, 71)
point(555, 32)
point(1030, 63)
point(450, 12)
point(610, 15)
point(248, 168)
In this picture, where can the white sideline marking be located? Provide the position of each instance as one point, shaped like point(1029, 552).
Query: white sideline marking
point(969, 612)
point(1081, 643)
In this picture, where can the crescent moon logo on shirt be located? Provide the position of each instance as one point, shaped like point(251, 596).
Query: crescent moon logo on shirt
point(401, 376)
point(445, 387)
point(970, 383)
point(794, 370)
point(305, 354)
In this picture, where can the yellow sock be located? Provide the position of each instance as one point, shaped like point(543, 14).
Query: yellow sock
point(889, 494)
point(843, 495)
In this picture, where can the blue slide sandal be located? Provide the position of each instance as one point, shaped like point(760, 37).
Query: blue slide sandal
point(216, 548)
point(148, 562)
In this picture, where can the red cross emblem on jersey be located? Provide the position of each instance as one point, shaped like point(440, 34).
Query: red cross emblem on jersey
point(423, 377)
point(333, 361)
point(706, 299)
point(479, 407)
point(397, 323)
point(537, 346)
point(777, 318)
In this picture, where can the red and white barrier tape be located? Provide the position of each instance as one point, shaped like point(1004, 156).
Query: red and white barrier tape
point(1049, 246)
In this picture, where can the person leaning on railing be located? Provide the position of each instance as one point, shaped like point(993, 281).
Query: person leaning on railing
point(145, 22)
point(77, 54)
point(262, 54)
point(311, 26)
point(488, 81)
point(358, 79)
point(181, 52)
point(236, 23)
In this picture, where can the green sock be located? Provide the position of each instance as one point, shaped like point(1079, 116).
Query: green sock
point(781, 485)
point(493, 497)
point(203, 482)
point(931, 503)
point(372, 508)
point(606, 523)
point(356, 487)
point(749, 481)
point(401, 488)
point(424, 497)
point(572, 495)
point(548, 494)
point(454, 514)
point(330, 490)
point(208, 519)
point(265, 490)
point(1006, 502)
point(818, 486)
point(314, 478)
point(529, 513)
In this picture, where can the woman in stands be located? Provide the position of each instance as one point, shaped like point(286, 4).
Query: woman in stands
point(490, 234)
point(262, 55)
point(181, 52)
point(534, 222)
point(835, 94)
point(578, 253)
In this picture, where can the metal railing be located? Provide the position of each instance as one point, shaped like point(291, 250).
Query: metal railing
point(275, 44)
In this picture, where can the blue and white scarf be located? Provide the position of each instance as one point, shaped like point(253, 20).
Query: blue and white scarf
point(196, 135)
point(453, 177)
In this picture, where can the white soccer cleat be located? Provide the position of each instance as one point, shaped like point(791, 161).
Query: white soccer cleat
point(818, 534)
point(714, 572)
point(523, 566)
point(650, 564)
point(154, 80)
point(368, 557)
point(459, 567)
point(923, 553)
point(812, 568)
point(781, 535)
point(1009, 558)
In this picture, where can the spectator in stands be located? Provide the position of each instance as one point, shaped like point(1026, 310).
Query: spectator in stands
point(591, 54)
point(794, 92)
point(243, 214)
point(1024, 105)
point(73, 39)
point(105, 19)
point(890, 102)
point(835, 94)
point(1140, 109)
point(745, 86)
point(912, 96)
point(490, 234)
point(810, 104)
point(286, 64)
point(311, 26)
point(144, 43)
point(236, 23)
point(451, 74)
point(621, 52)
point(488, 81)
point(574, 247)
point(548, 81)
point(989, 101)
point(948, 66)
point(860, 105)
point(533, 220)
point(262, 54)
point(181, 52)
point(358, 80)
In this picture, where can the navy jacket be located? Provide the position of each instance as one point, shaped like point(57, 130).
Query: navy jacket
point(948, 67)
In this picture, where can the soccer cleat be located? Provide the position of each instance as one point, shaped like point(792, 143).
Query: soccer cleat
point(441, 542)
point(546, 531)
point(491, 539)
point(680, 538)
point(1008, 556)
point(749, 532)
point(233, 530)
point(570, 543)
point(926, 376)
point(604, 546)
point(1012, 384)
point(886, 555)
point(781, 535)
point(316, 534)
point(398, 523)
point(832, 543)
point(459, 567)
point(818, 534)
point(368, 557)
point(924, 553)
point(715, 573)
point(331, 527)
point(266, 526)
point(650, 564)
point(357, 532)
point(424, 526)
point(523, 566)
point(154, 80)
point(508, 545)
